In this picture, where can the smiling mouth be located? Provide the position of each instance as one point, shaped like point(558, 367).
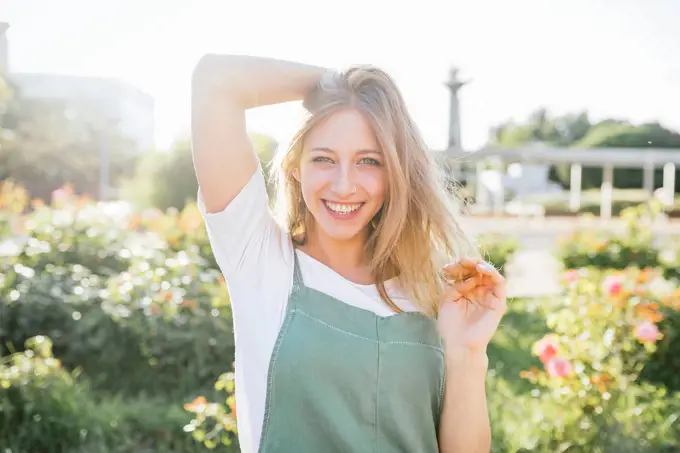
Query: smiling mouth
point(342, 210)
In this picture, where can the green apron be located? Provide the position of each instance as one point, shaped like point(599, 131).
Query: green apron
point(343, 379)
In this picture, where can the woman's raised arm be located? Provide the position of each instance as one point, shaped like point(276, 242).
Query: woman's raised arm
point(223, 88)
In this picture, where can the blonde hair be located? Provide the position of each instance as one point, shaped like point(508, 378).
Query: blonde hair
point(416, 232)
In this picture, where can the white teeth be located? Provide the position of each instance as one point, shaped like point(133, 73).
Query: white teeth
point(342, 208)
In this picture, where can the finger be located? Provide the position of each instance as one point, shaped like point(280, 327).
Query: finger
point(455, 271)
point(469, 266)
point(496, 304)
point(485, 303)
point(462, 267)
point(497, 280)
point(454, 295)
point(488, 270)
point(481, 292)
point(488, 324)
point(467, 286)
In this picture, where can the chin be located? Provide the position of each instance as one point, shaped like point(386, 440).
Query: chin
point(340, 234)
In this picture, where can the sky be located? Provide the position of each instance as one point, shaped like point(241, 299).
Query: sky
point(616, 58)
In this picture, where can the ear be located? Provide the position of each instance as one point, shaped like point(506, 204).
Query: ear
point(296, 174)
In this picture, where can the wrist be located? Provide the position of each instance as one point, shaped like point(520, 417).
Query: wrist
point(464, 360)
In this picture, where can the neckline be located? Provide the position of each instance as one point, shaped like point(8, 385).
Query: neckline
point(388, 283)
point(364, 311)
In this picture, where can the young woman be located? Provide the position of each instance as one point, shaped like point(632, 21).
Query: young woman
point(353, 333)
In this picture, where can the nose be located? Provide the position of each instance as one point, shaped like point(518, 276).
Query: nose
point(343, 181)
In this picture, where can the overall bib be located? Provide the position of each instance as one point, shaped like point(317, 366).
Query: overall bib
point(344, 380)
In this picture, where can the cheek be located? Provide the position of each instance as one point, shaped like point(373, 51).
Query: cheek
point(375, 183)
point(313, 180)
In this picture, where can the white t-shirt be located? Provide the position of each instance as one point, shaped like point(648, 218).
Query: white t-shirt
point(256, 258)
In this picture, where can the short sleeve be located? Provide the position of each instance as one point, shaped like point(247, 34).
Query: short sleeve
point(244, 235)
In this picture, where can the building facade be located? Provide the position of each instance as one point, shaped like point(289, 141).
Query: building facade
point(116, 101)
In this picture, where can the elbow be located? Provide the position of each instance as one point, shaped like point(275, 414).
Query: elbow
point(204, 74)
point(217, 77)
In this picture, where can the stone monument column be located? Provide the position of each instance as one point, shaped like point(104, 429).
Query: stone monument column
point(454, 84)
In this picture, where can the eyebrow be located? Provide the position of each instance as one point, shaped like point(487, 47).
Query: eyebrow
point(330, 150)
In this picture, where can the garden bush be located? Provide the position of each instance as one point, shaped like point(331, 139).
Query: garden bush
point(132, 303)
point(42, 406)
point(175, 311)
point(589, 395)
point(13, 202)
point(181, 230)
point(135, 302)
point(634, 246)
point(214, 423)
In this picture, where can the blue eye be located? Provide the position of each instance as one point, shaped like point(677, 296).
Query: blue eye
point(322, 159)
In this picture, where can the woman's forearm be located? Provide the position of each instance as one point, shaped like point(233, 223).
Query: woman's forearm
point(255, 81)
point(223, 88)
point(464, 426)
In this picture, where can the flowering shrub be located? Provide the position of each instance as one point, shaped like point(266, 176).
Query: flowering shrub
point(13, 202)
point(607, 250)
point(669, 258)
point(175, 312)
point(42, 406)
point(134, 302)
point(45, 408)
point(138, 309)
point(214, 423)
point(604, 332)
point(182, 230)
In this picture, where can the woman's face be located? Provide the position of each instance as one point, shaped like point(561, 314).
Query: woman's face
point(342, 174)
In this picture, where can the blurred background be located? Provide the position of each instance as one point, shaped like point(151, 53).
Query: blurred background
point(556, 124)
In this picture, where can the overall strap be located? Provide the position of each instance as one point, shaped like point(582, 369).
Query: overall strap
point(298, 283)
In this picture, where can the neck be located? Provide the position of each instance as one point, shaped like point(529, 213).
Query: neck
point(347, 258)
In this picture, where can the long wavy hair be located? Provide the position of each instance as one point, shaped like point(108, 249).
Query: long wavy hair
point(416, 232)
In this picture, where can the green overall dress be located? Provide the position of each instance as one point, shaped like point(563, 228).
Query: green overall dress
point(343, 379)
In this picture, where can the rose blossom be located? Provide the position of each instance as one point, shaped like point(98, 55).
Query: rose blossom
point(546, 348)
point(613, 285)
point(646, 332)
point(559, 367)
point(571, 275)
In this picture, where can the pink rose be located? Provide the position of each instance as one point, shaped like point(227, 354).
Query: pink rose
point(571, 275)
point(59, 195)
point(558, 367)
point(647, 332)
point(613, 285)
point(546, 348)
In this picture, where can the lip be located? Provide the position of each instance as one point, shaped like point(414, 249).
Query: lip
point(342, 216)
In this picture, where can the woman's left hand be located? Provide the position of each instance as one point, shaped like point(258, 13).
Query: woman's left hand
point(472, 307)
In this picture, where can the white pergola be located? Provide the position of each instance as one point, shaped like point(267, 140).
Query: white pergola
point(648, 159)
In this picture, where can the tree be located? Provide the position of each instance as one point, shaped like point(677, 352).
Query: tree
point(49, 143)
point(543, 128)
point(165, 179)
point(617, 135)
point(576, 130)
